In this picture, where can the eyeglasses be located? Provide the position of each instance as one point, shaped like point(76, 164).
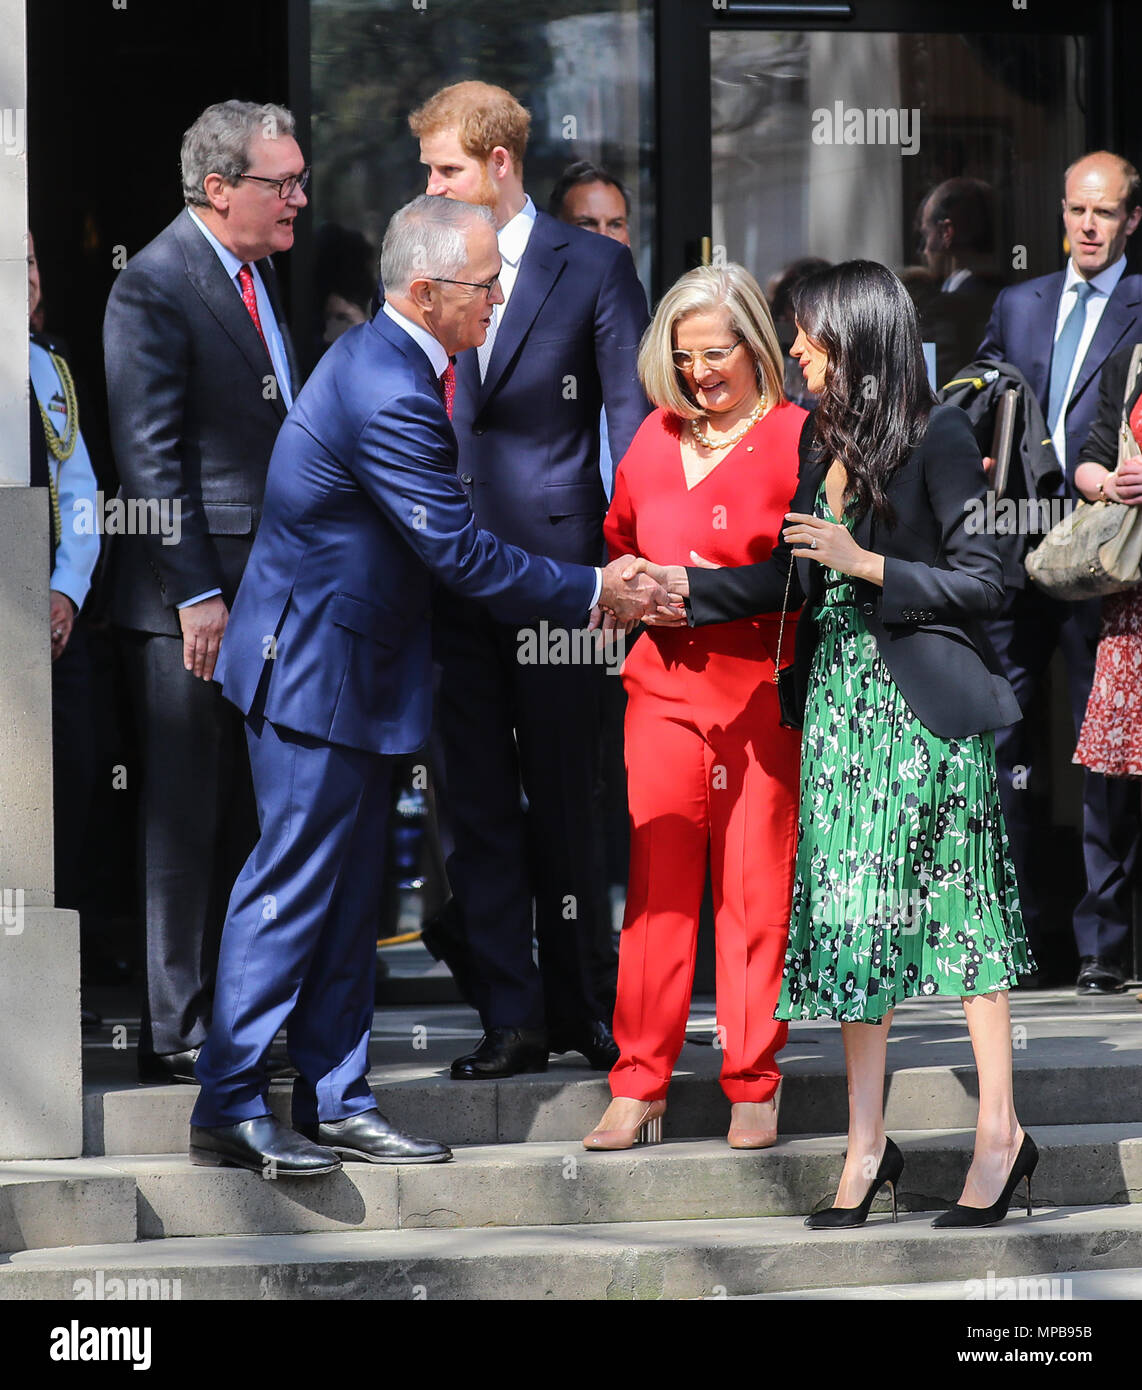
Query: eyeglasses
point(712, 357)
point(488, 286)
point(286, 187)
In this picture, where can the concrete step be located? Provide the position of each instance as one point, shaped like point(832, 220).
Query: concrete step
point(1099, 1285)
point(644, 1260)
point(94, 1201)
point(567, 1101)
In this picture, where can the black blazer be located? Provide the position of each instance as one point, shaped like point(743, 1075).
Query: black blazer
point(194, 414)
point(1101, 444)
point(940, 578)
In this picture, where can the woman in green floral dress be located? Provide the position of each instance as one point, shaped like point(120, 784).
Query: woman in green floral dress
point(904, 883)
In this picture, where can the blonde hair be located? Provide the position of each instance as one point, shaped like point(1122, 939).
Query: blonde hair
point(704, 290)
point(482, 116)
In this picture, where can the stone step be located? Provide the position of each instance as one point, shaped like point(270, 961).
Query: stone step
point(644, 1260)
point(1098, 1285)
point(567, 1101)
point(95, 1201)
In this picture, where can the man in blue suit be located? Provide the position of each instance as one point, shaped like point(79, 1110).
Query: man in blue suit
point(1059, 330)
point(562, 347)
point(327, 656)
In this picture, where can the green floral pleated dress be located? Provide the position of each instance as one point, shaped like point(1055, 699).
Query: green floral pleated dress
point(904, 883)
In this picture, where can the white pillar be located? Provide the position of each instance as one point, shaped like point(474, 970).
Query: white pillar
point(41, 1098)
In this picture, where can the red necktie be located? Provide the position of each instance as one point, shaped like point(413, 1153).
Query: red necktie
point(250, 300)
point(448, 382)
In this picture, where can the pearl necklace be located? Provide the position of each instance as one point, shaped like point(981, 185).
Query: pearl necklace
point(751, 420)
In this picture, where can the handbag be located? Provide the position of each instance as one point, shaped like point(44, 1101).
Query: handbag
point(1097, 548)
point(792, 714)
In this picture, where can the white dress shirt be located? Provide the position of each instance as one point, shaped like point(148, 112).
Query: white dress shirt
point(1103, 285)
point(512, 237)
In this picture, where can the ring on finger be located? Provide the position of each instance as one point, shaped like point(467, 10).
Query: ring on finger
point(813, 543)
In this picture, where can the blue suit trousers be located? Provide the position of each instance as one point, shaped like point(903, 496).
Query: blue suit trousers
point(299, 942)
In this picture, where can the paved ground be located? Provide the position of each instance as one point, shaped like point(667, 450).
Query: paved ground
point(1050, 1028)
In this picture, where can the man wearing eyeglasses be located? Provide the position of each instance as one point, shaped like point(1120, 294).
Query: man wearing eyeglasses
point(562, 347)
point(200, 375)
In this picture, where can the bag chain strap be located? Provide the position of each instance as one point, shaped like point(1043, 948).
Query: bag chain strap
point(781, 625)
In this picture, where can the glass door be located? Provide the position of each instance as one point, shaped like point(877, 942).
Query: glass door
point(824, 132)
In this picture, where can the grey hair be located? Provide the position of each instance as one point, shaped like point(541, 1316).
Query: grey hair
point(428, 237)
point(219, 142)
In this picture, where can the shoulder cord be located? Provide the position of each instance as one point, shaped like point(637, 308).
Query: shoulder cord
point(60, 448)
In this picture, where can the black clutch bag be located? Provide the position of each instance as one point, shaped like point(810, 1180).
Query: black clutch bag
point(785, 677)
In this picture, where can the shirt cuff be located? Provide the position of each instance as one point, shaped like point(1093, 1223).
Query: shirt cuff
point(598, 586)
point(198, 598)
point(65, 581)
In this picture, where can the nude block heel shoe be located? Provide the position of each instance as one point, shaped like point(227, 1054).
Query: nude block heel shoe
point(647, 1129)
point(750, 1127)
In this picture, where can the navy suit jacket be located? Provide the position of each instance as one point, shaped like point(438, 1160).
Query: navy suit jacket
point(193, 421)
point(329, 633)
point(1021, 331)
point(529, 433)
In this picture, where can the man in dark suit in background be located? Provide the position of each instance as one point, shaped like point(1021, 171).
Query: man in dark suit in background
point(1059, 331)
point(200, 374)
point(956, 237)
point(562, 347)
point(328, 657)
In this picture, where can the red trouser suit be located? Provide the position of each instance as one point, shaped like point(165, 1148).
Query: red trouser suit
point(710, 772)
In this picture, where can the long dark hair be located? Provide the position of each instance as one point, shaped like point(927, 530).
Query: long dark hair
point(874, 407)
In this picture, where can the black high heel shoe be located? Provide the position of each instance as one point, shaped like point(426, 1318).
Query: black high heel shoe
point(839, 1218)
point(1022, 1168)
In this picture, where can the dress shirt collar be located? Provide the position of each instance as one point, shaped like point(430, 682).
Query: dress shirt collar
point(424, 340)
point(1104, 282)
point(513, 235)
point(955, 280)
point(230, 261)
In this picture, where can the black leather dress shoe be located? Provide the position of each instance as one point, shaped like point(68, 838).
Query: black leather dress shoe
point(503, 1052)
point(371, 1138)
point(168, 1067)
point(1100, 975)
point(264, 1146)
point(593, 1041)
point(171, 1067)
point(1036, 980)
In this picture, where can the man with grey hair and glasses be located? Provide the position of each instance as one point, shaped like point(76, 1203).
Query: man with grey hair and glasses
point(327, 656)
point(200, 375)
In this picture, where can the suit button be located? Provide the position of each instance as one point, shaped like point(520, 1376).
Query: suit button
point(465, 477)
point(868, 609)
point(477, 429)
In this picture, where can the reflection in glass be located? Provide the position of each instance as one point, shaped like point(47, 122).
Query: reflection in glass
point(583, 68)
point(829, 145)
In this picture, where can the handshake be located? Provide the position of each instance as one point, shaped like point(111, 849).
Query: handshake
point(631, 591)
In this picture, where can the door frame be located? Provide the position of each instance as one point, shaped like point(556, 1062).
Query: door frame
point(684, 173)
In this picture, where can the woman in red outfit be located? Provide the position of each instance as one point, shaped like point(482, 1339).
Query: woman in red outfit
point(711, 773)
